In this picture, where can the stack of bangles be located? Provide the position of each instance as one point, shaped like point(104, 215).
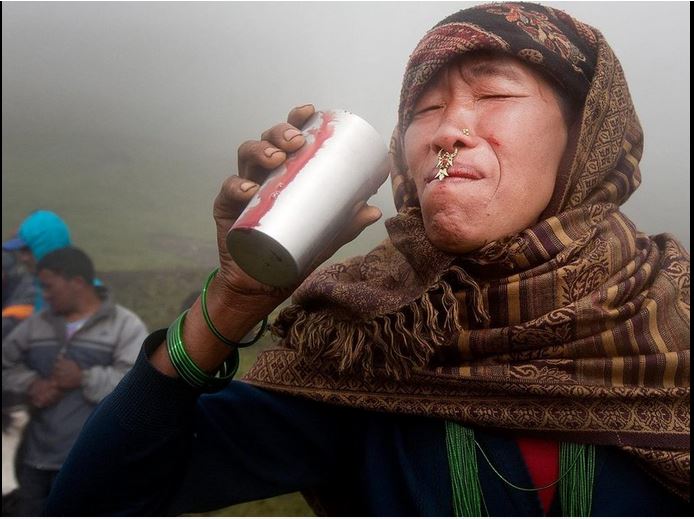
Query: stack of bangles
point(184, 365)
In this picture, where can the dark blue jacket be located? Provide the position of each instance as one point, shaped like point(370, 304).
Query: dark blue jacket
point(154, 448)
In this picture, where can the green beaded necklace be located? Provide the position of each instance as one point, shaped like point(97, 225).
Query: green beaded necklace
point(576, 469)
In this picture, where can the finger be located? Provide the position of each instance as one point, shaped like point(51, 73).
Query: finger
point(257, 158)
point(233, 197)
point(299, 115)
point(285, 137)
point(363, 216)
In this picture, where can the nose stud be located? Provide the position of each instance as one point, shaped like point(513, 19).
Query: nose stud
point(466, 132)
point(445, 162)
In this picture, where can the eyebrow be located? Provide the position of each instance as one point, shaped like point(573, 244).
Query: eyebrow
point(487, 69)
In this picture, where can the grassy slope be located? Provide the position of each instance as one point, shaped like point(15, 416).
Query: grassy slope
point(126, 219)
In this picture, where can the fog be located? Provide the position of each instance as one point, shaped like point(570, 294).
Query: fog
point(126, 117)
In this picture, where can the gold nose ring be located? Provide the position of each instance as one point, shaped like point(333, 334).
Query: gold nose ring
point(445, 162)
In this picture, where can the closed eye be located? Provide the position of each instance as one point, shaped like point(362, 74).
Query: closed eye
point(499, 97)
point(429, 108)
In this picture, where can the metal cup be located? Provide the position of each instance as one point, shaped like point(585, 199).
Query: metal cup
point(302, 205)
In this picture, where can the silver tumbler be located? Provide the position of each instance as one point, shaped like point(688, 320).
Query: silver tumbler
point(303, 204)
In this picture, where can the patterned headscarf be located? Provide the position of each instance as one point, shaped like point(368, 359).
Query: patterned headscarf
point(576, 328)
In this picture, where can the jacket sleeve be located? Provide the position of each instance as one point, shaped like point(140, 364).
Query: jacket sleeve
point(154, 446)
point(16, 375)
point(99, 381)
point(18, 304)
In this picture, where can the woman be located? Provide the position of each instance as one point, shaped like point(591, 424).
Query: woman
point(515, 348)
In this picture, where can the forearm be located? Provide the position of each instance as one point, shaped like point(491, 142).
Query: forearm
point(141, 433)
point(152, 447)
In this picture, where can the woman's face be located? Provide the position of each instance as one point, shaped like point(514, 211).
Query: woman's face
point(504, 172)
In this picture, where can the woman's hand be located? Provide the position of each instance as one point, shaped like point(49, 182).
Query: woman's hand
point(255, 161)
point(256, 158)
point(235, 301)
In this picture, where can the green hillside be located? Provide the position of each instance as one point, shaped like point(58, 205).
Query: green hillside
point(125, 219)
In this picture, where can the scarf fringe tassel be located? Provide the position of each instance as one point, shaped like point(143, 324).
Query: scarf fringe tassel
point(399, 341)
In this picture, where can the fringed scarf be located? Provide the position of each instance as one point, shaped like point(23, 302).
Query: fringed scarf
point(576, 328)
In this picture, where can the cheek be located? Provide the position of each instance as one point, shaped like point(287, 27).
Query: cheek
point(529, 161)
point(416, 148)
point(547, 154)
point(531, 145)
point(526, 182)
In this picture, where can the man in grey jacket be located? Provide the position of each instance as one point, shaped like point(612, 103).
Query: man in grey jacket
point(64, 360)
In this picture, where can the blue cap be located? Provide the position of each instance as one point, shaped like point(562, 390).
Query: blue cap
point(14, 244)
point(42, 232)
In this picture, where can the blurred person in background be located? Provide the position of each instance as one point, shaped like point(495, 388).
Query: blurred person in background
point(516, 347)
point(39, 233)
point(17, 305)
point(64, 359)
point(17, 292)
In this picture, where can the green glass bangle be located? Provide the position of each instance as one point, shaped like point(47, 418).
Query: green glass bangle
point(212, 327)
point(188, 370)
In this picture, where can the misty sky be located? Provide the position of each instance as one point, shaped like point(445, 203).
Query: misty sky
point(119, 90)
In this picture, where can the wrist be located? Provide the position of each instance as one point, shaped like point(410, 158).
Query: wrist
point(190, 371)
point(220, 321)
point(233, 313)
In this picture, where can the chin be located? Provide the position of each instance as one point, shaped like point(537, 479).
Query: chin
point(454, 243)
point(454, 231)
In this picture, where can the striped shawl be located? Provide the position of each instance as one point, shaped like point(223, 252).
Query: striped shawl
point(576, 328)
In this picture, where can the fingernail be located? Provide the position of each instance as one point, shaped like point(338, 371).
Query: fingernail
point(304, 106)
point(269, 152)
point(291, 133)
point(247, 186)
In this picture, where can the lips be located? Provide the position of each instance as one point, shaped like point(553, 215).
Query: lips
point(464, 171)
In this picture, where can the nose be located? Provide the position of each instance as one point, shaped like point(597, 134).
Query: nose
point(454, 131)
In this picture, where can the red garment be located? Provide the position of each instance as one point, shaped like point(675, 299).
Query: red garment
point(542, 459)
